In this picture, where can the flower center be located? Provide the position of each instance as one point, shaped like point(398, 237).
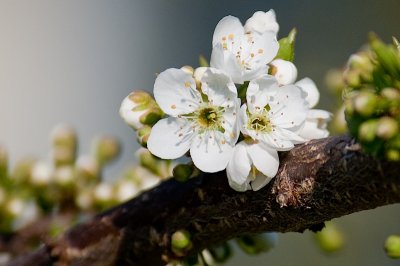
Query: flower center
point(209, 117)
point(259, 122)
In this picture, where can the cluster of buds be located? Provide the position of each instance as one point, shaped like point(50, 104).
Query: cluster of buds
point(68, 183)
point(372, 98)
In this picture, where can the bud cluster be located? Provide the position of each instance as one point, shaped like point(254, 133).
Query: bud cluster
point(70, 184)
point(372, 98)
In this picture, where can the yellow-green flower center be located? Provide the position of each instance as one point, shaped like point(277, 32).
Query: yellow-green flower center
point(259, 122)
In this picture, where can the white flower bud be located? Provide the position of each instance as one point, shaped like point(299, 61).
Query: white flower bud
point(29, 213)
point(64, 175)
point(138, 109)
point(103, 192)
point(15, 206)
point(41, 174)
point(125, 190)
point(87, 167)
point(284, 71)
point(84, 200)
point(261, 22)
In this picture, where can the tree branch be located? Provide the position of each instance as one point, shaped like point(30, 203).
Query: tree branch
point(316, 182)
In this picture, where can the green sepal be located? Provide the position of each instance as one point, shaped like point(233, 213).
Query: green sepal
point(203, 61)
point(286, 46)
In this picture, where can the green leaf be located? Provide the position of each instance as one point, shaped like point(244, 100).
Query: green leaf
point(286, 46)
point(203, 61)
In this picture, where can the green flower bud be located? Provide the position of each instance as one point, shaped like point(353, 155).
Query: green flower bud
point(363, 64)
point(64, 145)
point(157, 166)
point(365, 103)
point(143, 135)
point(182, 172)
point(391, 93)
point(367, 130)
point(330, 239)
point(180, 241)
point(334, 81)
point(386, 55)
point(392, 246)
point(393, 155)
point(3, 163)
point(221, 253)
point(387, 128)
point(286, 46)
point(255, 244)
point(151, 116)
point(22, 170)
point(203, 61)
point(106, 149)
point(352, 77)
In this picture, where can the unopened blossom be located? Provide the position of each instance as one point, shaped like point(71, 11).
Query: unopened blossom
point(139, 109)
point(261, 22)
point(270, 122)
point(317, 120)
point(201, 120)
point(284, 71)
point(243, 56)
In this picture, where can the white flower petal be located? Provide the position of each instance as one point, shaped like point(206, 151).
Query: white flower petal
point(231, 123)
point(170, 138)
point(286, 71)
point(308, 86)
point(275, 141)
point(210, 152)
point(238, 168)
point(260, 181)
point(218, 87)
point(289, 108)
point(199, 72)
point(265, 47)
point(227, 62)
point(259, 92)
point(261, 22)
point(316, 124)
point(265, 159)
point(228, 26)
point(175, 92)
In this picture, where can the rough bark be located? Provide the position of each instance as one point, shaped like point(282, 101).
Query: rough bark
point(316, 182)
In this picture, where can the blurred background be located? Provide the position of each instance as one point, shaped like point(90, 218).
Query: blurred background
point(74, 61)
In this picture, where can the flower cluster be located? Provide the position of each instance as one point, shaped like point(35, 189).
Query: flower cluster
point(240, 111)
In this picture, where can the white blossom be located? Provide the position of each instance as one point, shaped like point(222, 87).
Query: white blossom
point(261, 22)
point(243, 56)
point(284, 71)
point(202, 120)
point(270, 122)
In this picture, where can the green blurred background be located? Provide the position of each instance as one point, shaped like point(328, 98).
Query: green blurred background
point(74, 61)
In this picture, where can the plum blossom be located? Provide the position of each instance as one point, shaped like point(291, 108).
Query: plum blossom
point(261, 22)
point(270, 122)
point(202, 120)
point(242, 55)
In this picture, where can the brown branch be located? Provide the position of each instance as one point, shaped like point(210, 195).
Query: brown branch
point(316, 182)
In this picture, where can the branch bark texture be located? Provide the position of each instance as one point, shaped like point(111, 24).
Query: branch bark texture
point(317, 181)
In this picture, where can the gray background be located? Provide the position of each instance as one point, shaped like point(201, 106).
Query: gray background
point(74, 61)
